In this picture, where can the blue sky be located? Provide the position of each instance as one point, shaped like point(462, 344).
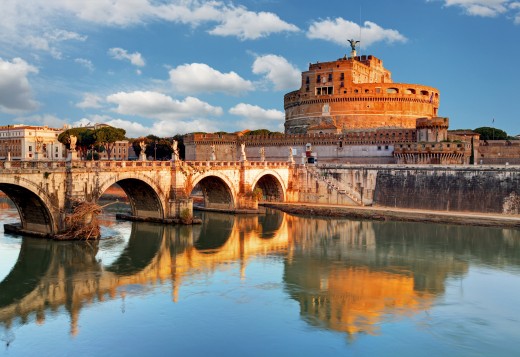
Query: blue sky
point(175, 66)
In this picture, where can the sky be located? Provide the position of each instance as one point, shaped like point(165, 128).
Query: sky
point(167, 67)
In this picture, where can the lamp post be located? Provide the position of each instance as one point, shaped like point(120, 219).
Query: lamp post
point(155, 151)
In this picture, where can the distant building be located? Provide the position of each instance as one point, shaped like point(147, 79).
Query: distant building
point(26, 142)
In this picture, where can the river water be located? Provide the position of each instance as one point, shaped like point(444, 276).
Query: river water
point(263, 285)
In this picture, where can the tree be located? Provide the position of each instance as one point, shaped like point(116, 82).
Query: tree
point(489, 133)
point(107, 136)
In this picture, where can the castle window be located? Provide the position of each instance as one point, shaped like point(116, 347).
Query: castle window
point(424, 92)
point(409, 91)
point(356, 91)
point(342, 84)
point(379, 148)
point(307, 88)
point(342, 76)
point(318, 79)
point(392, 90)
point(386, 147)
point(367, 91)
point(378, 90)
point(307, 80)
point(330, 77)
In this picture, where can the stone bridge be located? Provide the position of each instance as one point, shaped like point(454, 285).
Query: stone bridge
point(44, 191)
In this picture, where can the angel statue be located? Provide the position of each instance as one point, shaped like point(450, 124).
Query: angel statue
point(353, 44)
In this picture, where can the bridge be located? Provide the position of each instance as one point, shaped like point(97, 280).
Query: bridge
point(45, 192)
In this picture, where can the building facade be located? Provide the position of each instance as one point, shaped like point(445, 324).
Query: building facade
point(25, 142)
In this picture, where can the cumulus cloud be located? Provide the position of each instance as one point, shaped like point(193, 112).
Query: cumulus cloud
point(338, 30)
point(23, 22)
point(255, 117)
point(199, 77)
point(120, 54)
point(277, 70)
point(15, 89)
point(160, 106)
point(248, 25)
point(90, 100)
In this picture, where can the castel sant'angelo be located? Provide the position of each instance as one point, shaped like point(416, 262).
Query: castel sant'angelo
point(351, 111)
point(356, 93)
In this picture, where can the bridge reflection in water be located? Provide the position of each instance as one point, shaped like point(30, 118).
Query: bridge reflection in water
point(346, 276)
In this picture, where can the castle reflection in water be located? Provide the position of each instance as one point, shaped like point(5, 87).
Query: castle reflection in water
point(346, 275)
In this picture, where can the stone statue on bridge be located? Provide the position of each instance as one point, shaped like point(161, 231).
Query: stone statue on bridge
point(243, 152)
point(142, 153)
point(72, 142)
point(213, 156)
point(291, 157)
point(175, 153)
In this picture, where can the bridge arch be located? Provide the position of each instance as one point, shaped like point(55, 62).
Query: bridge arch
point(33, 205)
point(217, 191)
point(271, 185)
point(145, 198)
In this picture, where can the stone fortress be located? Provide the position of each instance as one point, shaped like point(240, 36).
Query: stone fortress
point(351, 111)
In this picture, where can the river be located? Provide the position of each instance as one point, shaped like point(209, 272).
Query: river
point(263, 285)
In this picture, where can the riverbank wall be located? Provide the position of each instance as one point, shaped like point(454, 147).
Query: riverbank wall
point(484, 189)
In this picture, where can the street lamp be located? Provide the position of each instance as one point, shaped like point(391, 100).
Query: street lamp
point(155, 151)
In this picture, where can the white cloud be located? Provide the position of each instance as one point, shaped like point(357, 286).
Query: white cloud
point(248, 25)
point(277, 70)
point(483, 8)
point(23, 22)
point(120, 54)
point(48, 41)
point(45, 119)
point(255, 117)
point(85, 63)
point(90, 100)
point(338, 30)
point(199, 77)
point(15, 89)
point(159, 106)
point(162, 128)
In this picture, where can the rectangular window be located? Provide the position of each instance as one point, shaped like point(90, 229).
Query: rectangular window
point(318, 79)
point(342, 76)
point(379, 148)
point(386, 147)
point(330, 77)
point(30, 148)
point(378, 90)
point(307, 80)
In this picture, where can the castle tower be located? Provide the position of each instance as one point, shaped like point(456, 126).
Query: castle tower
point(356, 93)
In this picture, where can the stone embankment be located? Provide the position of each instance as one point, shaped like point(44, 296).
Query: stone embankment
point(399, 214)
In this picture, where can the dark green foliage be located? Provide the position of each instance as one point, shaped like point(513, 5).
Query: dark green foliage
point(489, 133)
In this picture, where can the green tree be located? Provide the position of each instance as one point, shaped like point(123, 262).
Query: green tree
point(106, 137)
point(489, 133)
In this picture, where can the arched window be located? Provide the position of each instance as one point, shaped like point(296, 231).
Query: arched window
point(392, 90)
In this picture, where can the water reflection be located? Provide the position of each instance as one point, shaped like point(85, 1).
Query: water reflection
point(346, 276)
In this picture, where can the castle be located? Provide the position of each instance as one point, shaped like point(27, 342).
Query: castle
point(355, 93)
point(350, 111)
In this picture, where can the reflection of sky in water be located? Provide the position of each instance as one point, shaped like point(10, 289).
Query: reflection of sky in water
point(114, 238)
point(9, 244)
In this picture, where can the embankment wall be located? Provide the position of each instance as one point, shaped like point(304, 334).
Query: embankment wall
point(444, 188)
